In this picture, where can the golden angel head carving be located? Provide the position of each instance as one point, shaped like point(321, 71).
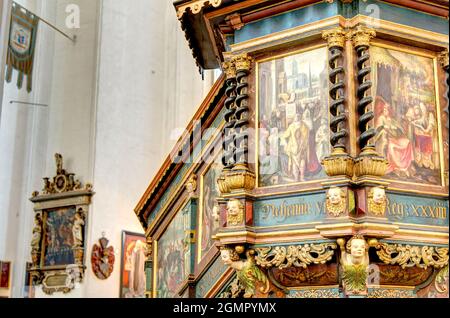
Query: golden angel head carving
point(235, 212)
point(336, 201)
point(377, 201)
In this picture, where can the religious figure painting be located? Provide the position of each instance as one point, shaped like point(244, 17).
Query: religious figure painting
point(5, 273)
point(293, 118)
point(406, 118)
point(173, 256)
point(209, 207)
point(59, 236)
point(133, 279)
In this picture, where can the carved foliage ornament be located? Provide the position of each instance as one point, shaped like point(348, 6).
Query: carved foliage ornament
point(361, 36)
point(314, 293)
point(295, 255)
point(408, 255)
point(443, 58)
point(335, 37)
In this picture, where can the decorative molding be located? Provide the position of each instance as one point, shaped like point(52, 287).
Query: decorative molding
point(390, 293)
point(409, 255)
point(295, 255)
point(314, 293)
point(196, 6)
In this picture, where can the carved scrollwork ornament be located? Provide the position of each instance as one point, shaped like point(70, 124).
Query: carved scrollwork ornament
point(409, 255)
point(295, 255)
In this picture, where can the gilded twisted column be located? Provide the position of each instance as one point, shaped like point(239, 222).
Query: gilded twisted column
point(369, 162)
point(241, 178)
point(339, 162)
point(228, 143)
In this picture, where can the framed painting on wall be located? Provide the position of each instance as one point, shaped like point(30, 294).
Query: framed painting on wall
point(132, 265)
point(407, 114)
point(5, 273)
point(293, 121)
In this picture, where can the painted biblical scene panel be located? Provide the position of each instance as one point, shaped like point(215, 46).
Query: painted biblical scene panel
point(59, 236)
point(132, 264)
point(209, 218)
point(173, 255)
point(406, 118)
point(293, 118)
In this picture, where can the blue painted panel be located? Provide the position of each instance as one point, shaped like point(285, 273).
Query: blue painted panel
point(210, 278)
point(286, 21)
point(417, 210)
point(404, 16)
point(290, 210)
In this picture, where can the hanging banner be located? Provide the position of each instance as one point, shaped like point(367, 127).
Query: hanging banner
point(22, 40)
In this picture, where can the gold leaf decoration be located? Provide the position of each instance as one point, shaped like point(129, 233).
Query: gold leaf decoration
point(295, 255)
point(409, 255)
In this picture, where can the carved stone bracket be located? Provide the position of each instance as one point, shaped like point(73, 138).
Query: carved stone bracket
point(295, 255)
point(409, 255)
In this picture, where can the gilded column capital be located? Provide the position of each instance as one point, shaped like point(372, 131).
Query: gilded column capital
point(361, 36)
point(243, 62)
point(443, 58)
point(229, 68)
point(335, 37)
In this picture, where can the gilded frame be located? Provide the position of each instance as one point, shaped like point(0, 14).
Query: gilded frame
point(125, 234)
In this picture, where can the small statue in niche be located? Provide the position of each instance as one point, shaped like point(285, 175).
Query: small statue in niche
point(216, 216)
point(37, 234)
point(77, 229)
point(355, 264)
point(251, 277)
point(336, 201)
point(235, 212)
point(377, 201)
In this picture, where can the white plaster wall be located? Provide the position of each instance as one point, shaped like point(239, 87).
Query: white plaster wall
point(118, 100)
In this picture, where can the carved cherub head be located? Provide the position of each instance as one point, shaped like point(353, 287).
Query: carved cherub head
point(228, 255)
point(377, 201)
point(378, 195)
point(235, 212)
point(336, 201)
